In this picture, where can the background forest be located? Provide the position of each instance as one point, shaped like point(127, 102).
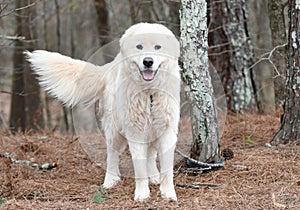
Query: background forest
point(79, 28)
point(247, 50)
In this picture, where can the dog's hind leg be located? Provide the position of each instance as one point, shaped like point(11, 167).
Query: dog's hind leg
point(112, 176)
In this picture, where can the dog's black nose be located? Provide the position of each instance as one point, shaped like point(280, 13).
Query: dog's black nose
point(148, 62)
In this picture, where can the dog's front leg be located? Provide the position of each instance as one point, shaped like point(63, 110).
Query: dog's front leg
point(139, 158)
point(153, 172)
point(166, 157)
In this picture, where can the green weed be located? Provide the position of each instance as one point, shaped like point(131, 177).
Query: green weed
point(100, 196)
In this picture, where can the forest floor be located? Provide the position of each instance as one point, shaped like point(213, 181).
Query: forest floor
point(257, 177)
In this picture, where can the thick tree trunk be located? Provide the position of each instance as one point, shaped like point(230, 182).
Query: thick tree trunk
point(34, 108)
point(278, 31)
point(289, 131)
point(231, 52)
point(26, 108)
point(198, 85)
point(239, 84)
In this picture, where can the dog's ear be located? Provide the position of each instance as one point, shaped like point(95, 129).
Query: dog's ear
point(175, 45)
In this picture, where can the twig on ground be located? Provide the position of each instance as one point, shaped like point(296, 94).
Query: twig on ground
point(277, 204)
point(241, 167)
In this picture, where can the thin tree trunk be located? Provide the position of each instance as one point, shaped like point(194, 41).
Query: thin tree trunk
point(46, 47)
point(260, 32)
point(133, 14)
point(289, 131)
point(197, 81)
point(65, 110)
point(102, 23)
point(278, 32)
point(173, 18)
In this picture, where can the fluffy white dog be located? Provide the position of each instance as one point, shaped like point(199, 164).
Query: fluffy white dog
point(138, 94)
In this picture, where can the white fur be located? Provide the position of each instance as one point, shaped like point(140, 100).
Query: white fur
point(127, 115)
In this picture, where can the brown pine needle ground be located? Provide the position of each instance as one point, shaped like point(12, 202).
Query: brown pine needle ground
point(258, 177)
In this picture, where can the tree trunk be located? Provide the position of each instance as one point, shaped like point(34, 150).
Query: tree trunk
point(289, 131)
point(232, 52)
point(278, 32)
point(17, 109)
point(259, 27)
point(173, 17)
point(102, 23)
point(26, 106)
point(240, 83)
point(198, 85)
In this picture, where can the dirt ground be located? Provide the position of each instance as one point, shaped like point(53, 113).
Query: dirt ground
point(258, 177)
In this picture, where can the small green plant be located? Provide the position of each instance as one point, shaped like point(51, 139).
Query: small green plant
point(1, 201)
point(100, 196)
point(250, 140)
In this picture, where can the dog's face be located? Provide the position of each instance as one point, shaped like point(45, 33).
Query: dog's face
point(149, 53)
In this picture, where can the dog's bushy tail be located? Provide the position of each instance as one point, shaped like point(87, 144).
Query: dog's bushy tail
point(71, 81)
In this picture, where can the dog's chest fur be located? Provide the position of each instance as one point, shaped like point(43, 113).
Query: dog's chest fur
point(151, 112)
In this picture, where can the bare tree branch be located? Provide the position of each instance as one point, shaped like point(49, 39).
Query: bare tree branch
point(17, 9)
point(267, 57)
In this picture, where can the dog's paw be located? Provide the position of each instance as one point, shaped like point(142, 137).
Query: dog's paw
point(142, 190)
point(168, 193)
point(141, 196)
point(154, 179)
point(110, 180)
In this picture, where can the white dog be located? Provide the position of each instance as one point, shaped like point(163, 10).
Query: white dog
point(138, 95)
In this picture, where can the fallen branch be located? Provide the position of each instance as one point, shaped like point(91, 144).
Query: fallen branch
point(45, 166)
point(199, 185)
point(202, 164)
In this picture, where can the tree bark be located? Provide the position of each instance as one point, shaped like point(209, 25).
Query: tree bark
point(289, 131)
point(26, 106)
point(198, 85)
point(240, 81)
point(278, 33)
point(232, 53)
point(17, 109)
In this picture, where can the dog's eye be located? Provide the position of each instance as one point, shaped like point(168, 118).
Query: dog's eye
point(139, 46)
point(157, 47)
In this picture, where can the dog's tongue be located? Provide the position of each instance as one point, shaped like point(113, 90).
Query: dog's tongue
point(148, 75)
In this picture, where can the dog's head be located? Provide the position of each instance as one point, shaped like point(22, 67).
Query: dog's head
point(149, 48)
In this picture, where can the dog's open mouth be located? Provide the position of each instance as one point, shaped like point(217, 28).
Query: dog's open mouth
point(148, 74)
